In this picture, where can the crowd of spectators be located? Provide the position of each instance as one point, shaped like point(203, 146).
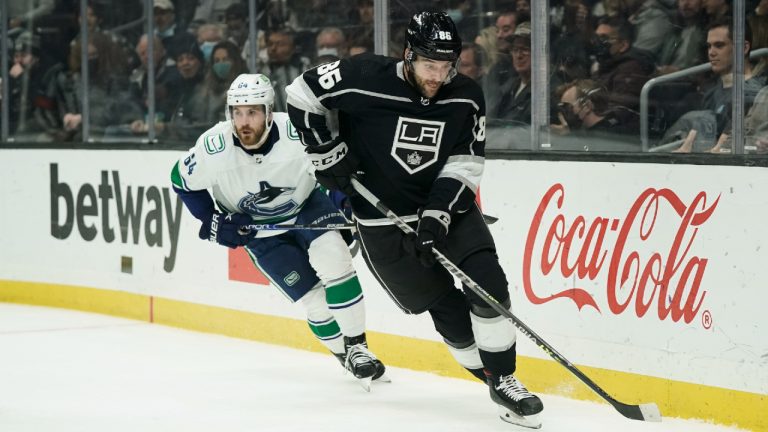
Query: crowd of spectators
point(601, 55)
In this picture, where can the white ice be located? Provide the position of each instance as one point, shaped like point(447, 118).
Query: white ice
point(67, 371)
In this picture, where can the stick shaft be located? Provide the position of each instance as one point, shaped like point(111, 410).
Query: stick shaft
point(273, 227)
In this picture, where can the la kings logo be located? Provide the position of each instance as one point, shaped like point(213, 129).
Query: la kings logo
point(417, 143)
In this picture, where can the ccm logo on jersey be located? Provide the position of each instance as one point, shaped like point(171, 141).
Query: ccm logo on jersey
point(417, 143)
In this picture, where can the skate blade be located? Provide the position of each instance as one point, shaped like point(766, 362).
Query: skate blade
point(530, 422)
point(365, 383)
point(383, 378)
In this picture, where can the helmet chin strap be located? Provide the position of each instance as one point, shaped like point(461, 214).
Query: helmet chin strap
point(409, 73)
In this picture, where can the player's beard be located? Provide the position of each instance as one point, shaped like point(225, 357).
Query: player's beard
point(251, 138)
point(427, 88)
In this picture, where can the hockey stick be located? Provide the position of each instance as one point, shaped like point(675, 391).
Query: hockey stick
point(646, 412)
point(272, 227)
point(489, 220)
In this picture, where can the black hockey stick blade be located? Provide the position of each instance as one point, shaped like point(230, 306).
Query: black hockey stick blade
point(489, 220)
point(644, 412)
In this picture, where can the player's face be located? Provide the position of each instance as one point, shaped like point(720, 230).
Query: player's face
point(430, 74)
point(250, 124)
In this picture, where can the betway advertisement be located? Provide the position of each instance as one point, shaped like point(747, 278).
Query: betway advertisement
point(646, 268)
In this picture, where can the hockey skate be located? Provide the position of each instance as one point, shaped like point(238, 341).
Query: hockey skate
point(363, 364)
point(516, 404)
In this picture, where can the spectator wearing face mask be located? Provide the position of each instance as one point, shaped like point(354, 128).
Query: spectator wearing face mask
point(621, 69)
point(331, 41)
point(584, 111)
point(208, 35)
point(173, 37)
point(226, 64)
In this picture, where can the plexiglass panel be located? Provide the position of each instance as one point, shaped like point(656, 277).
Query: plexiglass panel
point(640, 76)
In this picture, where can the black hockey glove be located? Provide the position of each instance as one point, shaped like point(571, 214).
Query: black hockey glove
point(334, 165)
point(432, 229)
point(224, 229)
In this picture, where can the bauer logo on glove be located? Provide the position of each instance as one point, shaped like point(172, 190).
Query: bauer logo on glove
point(225, 229)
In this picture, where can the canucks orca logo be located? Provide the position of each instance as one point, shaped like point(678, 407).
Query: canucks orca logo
point(258, 204)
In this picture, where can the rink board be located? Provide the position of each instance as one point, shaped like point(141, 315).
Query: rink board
point(649, 277)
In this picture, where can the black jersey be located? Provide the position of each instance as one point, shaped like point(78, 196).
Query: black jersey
point(414, 152)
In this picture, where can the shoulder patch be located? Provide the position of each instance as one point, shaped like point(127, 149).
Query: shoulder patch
point(214, 143)
point(292, 132)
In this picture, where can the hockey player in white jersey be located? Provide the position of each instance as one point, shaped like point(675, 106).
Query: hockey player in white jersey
point(256, 170)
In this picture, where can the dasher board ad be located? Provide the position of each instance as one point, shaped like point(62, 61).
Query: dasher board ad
point(660, 268)
point(650, 269)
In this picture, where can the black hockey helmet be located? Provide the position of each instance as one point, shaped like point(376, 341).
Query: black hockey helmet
point(433, 35)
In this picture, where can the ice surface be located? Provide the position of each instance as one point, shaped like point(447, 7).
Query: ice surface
point(67, 371)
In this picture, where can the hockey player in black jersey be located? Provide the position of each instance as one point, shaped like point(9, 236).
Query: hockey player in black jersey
point(414, 133)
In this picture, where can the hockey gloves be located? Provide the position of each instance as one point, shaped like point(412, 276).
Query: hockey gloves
point(224, 229)
point(334, 165)
point(432, 229)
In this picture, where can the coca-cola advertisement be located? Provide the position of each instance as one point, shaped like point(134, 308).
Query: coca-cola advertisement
point(655, 269)
point(639, 265)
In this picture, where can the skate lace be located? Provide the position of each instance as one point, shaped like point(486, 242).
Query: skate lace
point(513, 388)
point(358, 355)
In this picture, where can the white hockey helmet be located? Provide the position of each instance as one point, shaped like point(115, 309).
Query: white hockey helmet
point(252, 89)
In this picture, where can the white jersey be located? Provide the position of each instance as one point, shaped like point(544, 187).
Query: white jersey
point(269, 187)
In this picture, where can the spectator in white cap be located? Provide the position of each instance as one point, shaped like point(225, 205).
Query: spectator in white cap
point(172, 36)
point(165, 24)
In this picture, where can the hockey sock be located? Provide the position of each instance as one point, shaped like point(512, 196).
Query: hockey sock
point(467, 355)
point(322, 324)
point(329, 256)
point(495, 337)
point(345, 300)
